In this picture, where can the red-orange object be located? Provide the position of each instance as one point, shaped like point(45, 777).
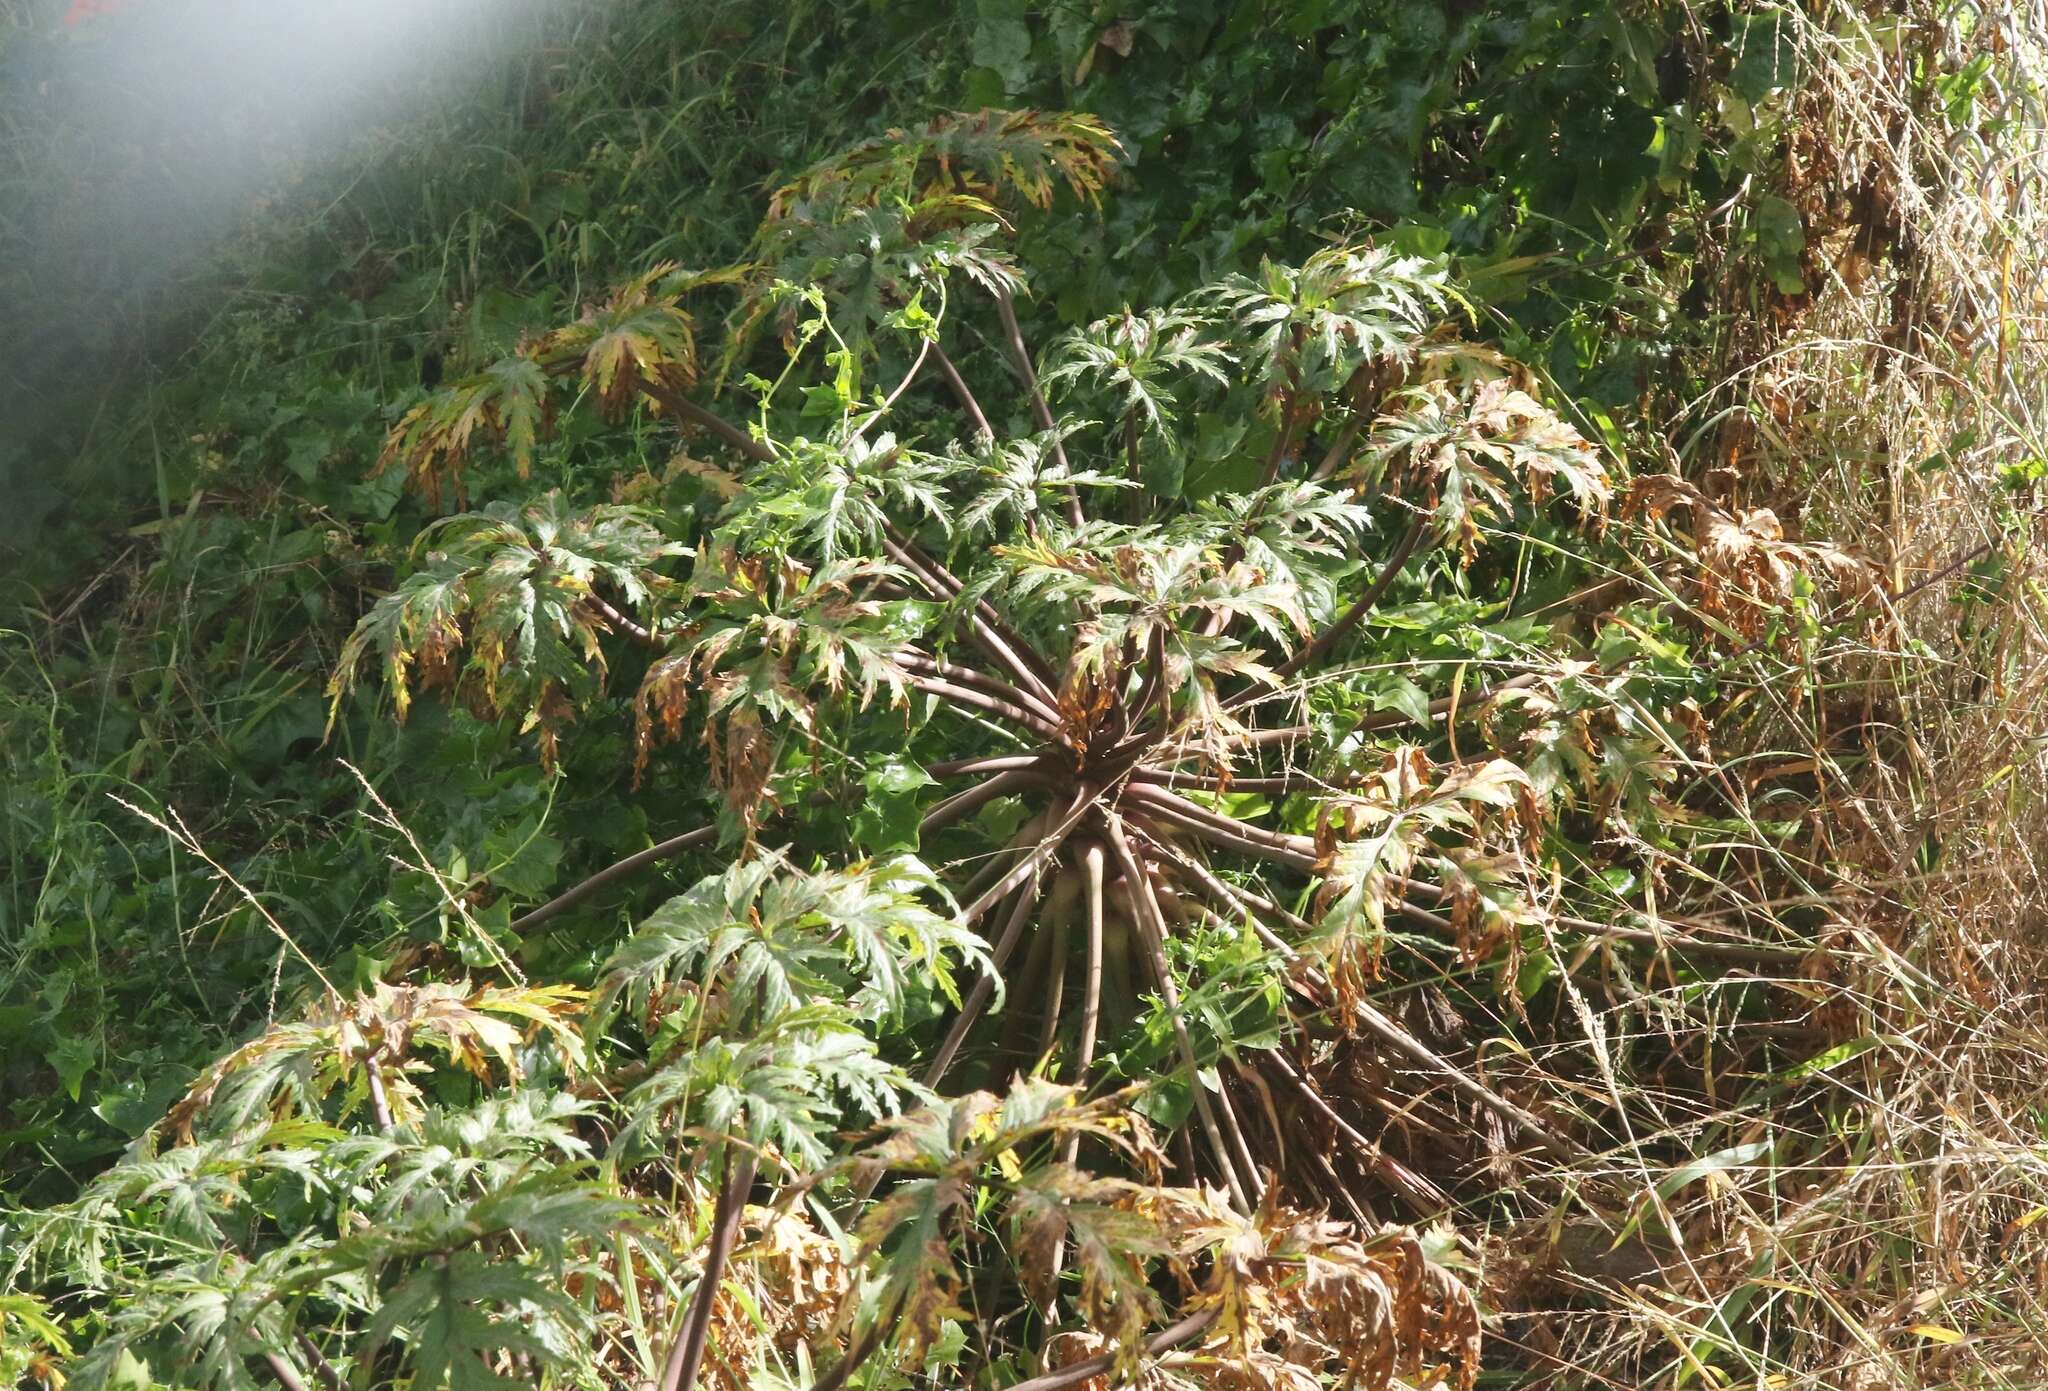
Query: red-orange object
point(83, 10)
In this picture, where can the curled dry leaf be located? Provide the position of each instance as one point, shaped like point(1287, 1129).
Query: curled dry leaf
point(1302, 1301)
point(1748, 571)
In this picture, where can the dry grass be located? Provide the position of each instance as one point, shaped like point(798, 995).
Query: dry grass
point(1886, 1225)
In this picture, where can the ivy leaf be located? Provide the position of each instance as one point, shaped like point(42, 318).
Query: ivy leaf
point(889, 813)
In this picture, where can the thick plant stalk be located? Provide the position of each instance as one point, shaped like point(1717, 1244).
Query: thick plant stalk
point(1091, 1000)
point(679, 1373)
point(1248, 1073)
point(1154, 687)
point(287, 1375)
point(1234, 838)
point(1091, 1006)
point(1286, 734)
point(1242, 904)
point(979, 994)
point(622, 622)
point(1225, 834)
point(1203, 782)
point(322, 1368)
point(1341, 1189)
point(951, 587)
point(380, 1104)
point(1149, 931)
point(1167, 801)
point(1244, 900)
point(1391, 719)
point(1000, 862)
point(980, 681)
point(946, 585)
point(1235, 1130)
point(1340, 448)
point(1412, 889)
point(971, 1008)
point(1001, 709)
point(1046, 849)
point(962, 804)
point(1154, 942)
point(983, 632)
point(975, 767)
point(681, 406)
point(1059, 931)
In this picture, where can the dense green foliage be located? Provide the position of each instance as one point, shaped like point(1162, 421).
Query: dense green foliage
point(1077, 562)
point(439, 285)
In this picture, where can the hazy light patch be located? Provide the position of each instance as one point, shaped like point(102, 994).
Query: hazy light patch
point(140, 132)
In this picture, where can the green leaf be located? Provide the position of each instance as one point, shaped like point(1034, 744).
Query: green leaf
point(1001, 42)
point(1830, 1058)
point(74, 1059)
point(1405, 696)
point(888, 815)
point(1767, 48)
point(1735, 1157)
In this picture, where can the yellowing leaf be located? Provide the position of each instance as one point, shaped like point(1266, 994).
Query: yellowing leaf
point(1935, 1333)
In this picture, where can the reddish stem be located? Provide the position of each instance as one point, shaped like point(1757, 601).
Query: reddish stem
point(679, 1373)
point(961, 393)
point(980, 681)
point(961, 695)
point(1227, 840)
point(965, 803)
point(974, 767)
